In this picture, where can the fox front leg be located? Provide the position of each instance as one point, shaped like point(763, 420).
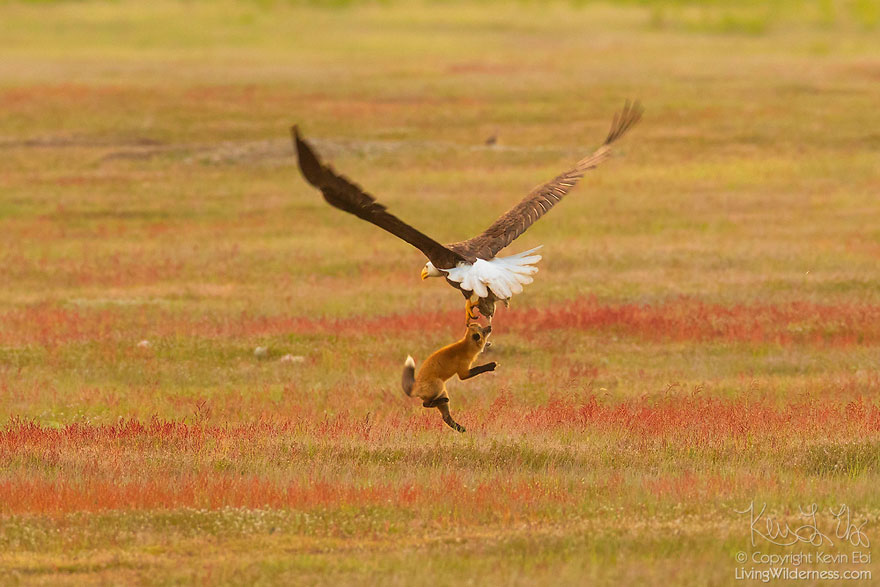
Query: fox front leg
point(474, 371)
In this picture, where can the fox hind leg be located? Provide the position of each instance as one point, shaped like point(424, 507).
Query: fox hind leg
point(442, 404)
point(447, 417)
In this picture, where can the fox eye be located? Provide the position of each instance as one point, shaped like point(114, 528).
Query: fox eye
point(476, 337)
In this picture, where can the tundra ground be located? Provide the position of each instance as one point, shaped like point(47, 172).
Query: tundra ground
point(703, 334)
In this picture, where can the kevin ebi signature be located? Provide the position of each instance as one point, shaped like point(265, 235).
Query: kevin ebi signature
point(781, 533)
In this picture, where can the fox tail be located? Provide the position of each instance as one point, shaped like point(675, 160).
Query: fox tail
point(409, 375)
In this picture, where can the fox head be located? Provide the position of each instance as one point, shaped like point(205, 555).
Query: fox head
point(476, 335)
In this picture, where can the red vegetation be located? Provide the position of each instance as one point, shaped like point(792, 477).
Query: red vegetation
point(682, 319)
point(316, 461)
point(690, 319)
point(703, 422)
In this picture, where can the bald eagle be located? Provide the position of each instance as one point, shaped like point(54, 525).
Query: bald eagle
point(472, 266)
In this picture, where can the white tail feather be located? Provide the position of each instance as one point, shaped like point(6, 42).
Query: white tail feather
point(505, 276)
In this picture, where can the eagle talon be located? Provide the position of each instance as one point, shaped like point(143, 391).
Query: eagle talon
point(469, 312)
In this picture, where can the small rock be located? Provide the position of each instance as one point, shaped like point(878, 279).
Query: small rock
point(144, 344)
point(288, 358)
point(261, 352)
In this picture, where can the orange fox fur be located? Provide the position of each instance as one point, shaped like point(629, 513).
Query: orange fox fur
point(455, 359)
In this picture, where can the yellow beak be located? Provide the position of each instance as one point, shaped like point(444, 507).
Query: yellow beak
point(424, 273)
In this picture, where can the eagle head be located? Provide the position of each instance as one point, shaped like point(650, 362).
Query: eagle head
point(430, 271)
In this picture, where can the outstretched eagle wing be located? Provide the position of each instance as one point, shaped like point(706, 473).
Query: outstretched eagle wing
point(345, 195)
point(518, 219)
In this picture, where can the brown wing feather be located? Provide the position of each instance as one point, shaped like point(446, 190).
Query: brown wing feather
point(518, 219)
point(345, 195)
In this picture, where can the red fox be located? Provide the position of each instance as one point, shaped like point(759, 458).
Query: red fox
point(455, 359)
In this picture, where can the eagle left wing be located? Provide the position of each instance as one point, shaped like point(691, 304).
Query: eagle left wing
point(345, 195)
point(518, 219)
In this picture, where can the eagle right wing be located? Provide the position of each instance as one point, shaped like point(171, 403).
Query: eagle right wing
point(518, 219)
point(345, 195)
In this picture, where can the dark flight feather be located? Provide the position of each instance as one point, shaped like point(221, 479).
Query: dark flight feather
point(345, 195)
point(518, 219)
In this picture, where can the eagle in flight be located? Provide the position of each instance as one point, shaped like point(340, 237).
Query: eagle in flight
point(472, 266)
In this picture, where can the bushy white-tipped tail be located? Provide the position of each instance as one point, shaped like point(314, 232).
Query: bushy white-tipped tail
point(505, 276)
point(409, 375)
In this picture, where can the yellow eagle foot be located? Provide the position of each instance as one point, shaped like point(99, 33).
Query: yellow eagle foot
point(470, 311)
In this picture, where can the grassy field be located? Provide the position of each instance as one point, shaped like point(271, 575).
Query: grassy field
point(704, 332)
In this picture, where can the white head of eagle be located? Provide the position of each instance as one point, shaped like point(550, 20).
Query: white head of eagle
point(430, 271)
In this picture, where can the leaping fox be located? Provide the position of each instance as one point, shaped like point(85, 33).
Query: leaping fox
point(455, 359)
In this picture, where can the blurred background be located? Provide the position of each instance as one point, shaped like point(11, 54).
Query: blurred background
point(154, 140)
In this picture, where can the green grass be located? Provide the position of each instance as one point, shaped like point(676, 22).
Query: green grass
point(720, 276)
